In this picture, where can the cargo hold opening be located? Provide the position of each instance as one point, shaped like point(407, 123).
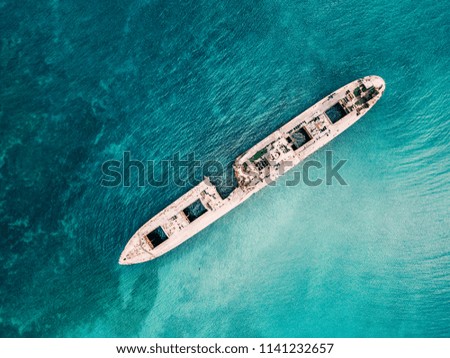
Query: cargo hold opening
point(299, 137)
point(157, 236)
point(195, 210)
point(335, 113)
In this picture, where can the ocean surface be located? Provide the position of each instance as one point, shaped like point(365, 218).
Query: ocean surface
point(82, 82)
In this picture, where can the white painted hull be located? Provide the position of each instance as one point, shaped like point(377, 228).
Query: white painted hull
point(320, 130)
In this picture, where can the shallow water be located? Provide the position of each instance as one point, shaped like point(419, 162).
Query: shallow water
point(82, 82)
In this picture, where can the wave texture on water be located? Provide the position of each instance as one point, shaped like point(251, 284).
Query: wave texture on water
point(84, 81)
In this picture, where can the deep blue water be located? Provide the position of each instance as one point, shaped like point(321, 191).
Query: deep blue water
point(81, 82)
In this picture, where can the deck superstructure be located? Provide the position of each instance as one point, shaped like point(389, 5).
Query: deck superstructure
point(254, 169)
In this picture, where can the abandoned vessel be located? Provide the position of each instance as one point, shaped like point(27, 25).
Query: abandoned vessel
point(254, 169)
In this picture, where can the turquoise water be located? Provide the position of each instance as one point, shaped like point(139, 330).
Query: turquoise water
point(82, 82)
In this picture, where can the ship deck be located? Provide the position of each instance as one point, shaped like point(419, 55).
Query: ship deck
point(306, 133)
point(178, 217)
point(254, 169)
